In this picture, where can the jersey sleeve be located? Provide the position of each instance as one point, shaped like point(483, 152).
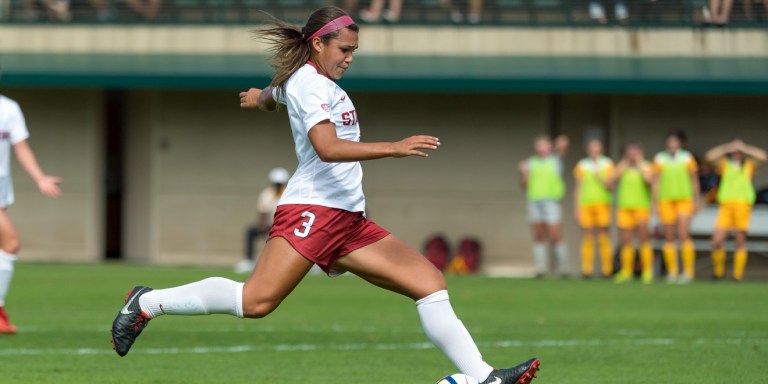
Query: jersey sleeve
point(610, 168)
point(656, 165)
point(749, 168)
point(720, 168)
point(16, 125)
point(692, 165)
point(578, 172)
point(278, 96)
point(314, 102)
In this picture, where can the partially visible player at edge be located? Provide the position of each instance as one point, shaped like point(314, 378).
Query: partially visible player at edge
point(633, 212)
point(320, 217)
point(542, 177)
point(736, 163)
point(677, 196)
point(14, 134)
point(592, 197)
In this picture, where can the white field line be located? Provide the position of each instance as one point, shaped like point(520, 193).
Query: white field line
point(621, 332)
point(565, 343)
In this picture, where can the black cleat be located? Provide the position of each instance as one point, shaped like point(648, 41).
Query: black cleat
point(130, 321)
point(520, 374)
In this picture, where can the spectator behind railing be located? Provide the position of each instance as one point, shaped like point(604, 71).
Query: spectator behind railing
point(748, 9)
point(147, 9)
point(508, 12)
point(474, 11)
point(597, 13)
point(59, 10)
point(719, 11)
point(376, 11)
point(55, 9)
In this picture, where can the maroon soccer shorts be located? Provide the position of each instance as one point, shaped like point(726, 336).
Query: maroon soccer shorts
point(322, 234)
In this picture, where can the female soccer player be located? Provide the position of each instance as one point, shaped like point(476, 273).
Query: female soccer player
point(677, 196)
point(736, 163)
point(592, 207)
point(633, 204)
point(542, 177)
point(320, 217)
point(14, 134)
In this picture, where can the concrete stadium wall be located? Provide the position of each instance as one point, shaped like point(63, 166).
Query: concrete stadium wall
point(65, 134)
point(399, 40)
point(195, 163)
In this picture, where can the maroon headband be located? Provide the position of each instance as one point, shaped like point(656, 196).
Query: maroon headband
point(333, 26)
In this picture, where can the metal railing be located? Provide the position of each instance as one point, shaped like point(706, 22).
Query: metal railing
point(573, 13)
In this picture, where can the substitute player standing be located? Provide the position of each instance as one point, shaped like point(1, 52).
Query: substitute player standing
point(736, 163)
point(592, 207)
point(542, 177)
point(677, 196)
point(320, 218)
point(14, 134)
point(633, 205)
point(269, 198)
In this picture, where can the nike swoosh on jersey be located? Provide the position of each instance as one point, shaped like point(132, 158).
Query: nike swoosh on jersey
point(125, 310)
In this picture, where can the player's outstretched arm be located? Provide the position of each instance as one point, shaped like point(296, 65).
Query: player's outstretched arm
point(258, 99)
point(48, 185)
point(331, 149)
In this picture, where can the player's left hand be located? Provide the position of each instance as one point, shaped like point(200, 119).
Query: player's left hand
point(414, 146)
point(250, 98)
point(49, 186)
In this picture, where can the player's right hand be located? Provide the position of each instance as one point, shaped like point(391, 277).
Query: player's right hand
point(250, 98)
point(414, 146)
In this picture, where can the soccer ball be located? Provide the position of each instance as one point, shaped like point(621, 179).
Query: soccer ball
point(457, 378)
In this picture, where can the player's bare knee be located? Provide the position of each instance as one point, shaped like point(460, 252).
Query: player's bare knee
point(258, 309)
point(431, 283)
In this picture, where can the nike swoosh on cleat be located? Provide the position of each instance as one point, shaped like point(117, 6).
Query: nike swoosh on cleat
point(497, 381)
point(125, 310)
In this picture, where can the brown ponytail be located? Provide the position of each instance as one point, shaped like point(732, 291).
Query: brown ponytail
point(289, 43)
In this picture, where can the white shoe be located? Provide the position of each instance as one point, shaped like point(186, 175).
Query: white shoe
point(672, 279)
point(456, 17)
point(367, 16)
point(244, 266)
point(684, 279)
point(390, 16)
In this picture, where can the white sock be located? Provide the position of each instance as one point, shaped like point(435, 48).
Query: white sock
point(448, 334)
point(6, 274)
point(205, 297)
point(540, 257)
point(563, 261)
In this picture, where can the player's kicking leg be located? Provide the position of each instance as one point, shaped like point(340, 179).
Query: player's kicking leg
point(279, 269)
point(391, 264)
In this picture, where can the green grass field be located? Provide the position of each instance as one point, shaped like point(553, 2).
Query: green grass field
point(344, 331)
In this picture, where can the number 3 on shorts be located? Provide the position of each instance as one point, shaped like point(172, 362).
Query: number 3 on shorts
point(307, 224)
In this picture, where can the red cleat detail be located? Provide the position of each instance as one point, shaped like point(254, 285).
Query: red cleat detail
point(530, 374)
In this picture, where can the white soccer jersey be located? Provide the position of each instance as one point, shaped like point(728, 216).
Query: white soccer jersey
point(13, 129)
point(312, 98)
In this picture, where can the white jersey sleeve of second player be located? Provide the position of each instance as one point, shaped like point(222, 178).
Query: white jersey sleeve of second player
point(13, 127)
